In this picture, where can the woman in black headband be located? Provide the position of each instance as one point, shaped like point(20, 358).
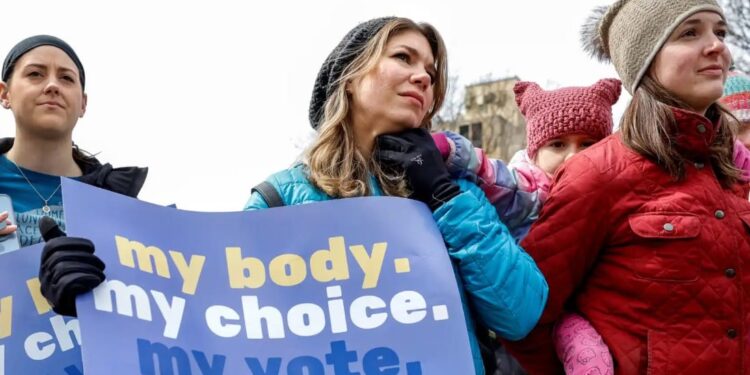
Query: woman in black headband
point(43, 84)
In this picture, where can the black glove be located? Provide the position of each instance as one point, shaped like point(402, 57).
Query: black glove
point(69, 268)
point(414, 152)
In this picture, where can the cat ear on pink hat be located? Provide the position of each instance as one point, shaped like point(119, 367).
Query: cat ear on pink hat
point(569, 110)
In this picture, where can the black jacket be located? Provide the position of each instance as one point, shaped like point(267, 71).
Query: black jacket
point(124, 180)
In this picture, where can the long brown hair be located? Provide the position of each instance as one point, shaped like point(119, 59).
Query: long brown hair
point(648, 126)
point(336, 165)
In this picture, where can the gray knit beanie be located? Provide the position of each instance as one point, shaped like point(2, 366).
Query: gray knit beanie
point(345, 52)
point(631, 32)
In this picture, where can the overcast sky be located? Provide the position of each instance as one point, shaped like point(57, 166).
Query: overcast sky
point(213, 96)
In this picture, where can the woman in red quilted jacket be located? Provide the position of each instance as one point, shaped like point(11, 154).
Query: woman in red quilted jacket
point(647, 233)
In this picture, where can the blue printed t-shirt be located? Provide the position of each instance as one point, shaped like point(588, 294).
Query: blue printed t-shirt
point(26, 203)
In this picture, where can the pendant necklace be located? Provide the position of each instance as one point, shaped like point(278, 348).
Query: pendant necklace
point(45, 208)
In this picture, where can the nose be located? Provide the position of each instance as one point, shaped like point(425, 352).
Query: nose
point(52, 86)
point(571, 151)
point(716, 45)
point(422, 79)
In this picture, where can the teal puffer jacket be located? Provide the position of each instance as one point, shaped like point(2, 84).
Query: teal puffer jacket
point(506, 289)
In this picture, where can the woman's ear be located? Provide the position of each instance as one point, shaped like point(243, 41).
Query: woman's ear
point(4, 98)
point(84, 102)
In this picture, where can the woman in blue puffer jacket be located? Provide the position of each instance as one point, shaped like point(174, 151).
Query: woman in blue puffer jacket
point(372, 104)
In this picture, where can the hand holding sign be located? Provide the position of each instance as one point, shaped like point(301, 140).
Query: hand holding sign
point(68, 268)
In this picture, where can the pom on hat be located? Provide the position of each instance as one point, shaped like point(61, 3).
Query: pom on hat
point(566, 111)
point(629, 33)
point(591, 37)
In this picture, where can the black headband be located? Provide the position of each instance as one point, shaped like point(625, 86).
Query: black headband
point(30, 43)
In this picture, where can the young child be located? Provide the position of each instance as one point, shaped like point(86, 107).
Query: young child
point(559, 124)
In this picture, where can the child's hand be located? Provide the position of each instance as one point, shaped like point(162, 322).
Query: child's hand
point(6, 227)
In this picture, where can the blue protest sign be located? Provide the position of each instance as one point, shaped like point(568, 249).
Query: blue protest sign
point(33, 339)
point(355, 286)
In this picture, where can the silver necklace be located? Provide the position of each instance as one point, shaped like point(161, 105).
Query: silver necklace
point(45, 208)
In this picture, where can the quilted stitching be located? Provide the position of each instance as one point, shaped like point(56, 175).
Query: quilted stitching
point(590, 255)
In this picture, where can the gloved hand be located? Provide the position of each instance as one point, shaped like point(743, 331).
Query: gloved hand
point(68, 268)
point(414, 152)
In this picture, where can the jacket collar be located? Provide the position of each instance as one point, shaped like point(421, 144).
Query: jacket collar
point(694, 133)
point(125, 180)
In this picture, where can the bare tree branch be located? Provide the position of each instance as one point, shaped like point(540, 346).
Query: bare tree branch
point(738, 17)
point(454, 101)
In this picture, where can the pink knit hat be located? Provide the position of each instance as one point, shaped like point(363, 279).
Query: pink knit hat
point(569, 110)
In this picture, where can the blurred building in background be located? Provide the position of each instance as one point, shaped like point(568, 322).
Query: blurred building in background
point(490, 118)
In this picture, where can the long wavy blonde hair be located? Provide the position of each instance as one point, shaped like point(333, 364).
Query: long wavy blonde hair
point(336, 165)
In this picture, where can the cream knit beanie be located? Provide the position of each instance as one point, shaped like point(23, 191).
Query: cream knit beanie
point(631, 32)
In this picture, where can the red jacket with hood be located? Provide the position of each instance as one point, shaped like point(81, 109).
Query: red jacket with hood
point(656, 265)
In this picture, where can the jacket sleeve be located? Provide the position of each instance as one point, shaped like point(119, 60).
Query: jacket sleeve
point(565, 242)
point(255, 202)
point(503, 283)
point(742, 159)
point(517, 207)
point(279, 181)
